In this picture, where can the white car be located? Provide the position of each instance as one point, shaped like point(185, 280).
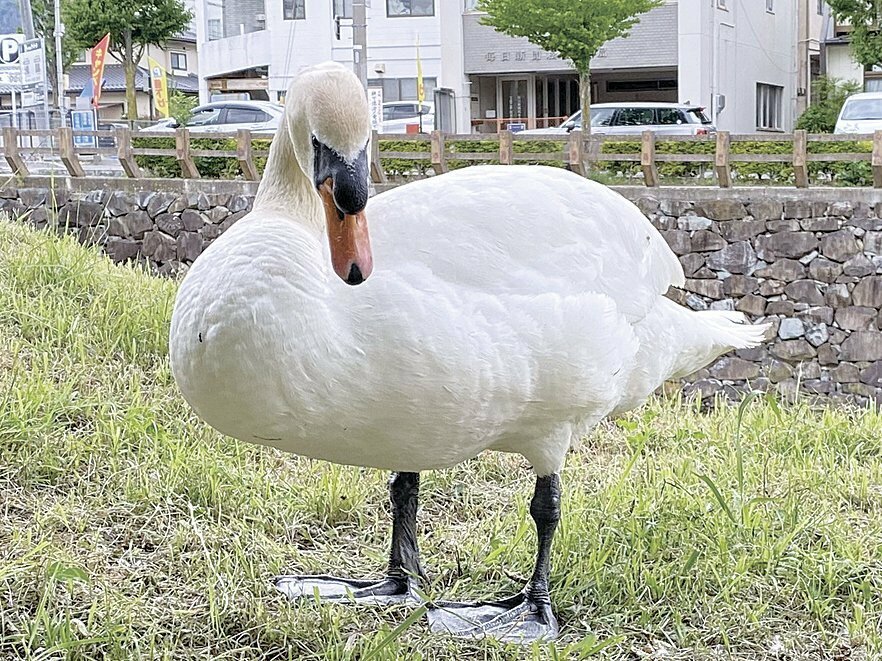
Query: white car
point(260, 117)
point(397, 115)
point(636, 117)
point(861, 113)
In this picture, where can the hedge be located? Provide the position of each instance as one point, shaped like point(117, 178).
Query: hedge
point(209, 167)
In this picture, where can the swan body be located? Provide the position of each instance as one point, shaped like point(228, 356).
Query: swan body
point(497, 307)
point(509, 309)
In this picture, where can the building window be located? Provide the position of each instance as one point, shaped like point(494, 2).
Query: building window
point(215, 30)
point(769, 102)
point(179, 61)
point(343, 8)
point(403, 89)
point(770, 6)
point(293, 10)
point(721, 4)
point(410, 7)
point(820, 7)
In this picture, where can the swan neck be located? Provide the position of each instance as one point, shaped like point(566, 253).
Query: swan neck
point(284, 185)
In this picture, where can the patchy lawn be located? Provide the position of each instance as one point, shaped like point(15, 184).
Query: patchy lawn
point(128, 529)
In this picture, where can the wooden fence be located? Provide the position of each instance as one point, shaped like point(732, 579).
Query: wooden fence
point(436, 151)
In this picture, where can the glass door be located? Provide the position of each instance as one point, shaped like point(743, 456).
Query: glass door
point(515, 102)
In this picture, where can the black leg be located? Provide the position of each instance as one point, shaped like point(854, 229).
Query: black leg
point(404, 556)
point(545, 510)
point(404, 572)
point(526, 616)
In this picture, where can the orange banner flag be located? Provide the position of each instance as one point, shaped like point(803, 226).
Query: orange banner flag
point(98, 55)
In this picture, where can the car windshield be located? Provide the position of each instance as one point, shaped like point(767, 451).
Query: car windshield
point(862, 109)
point(697, 115)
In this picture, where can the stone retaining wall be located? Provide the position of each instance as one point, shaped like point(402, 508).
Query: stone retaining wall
point(810, 262)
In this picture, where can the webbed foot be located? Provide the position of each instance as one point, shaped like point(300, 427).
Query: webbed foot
point(518, 619)
point(384, 592)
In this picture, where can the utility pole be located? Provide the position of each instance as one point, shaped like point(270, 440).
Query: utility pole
point(359, 40)
point(59, 64)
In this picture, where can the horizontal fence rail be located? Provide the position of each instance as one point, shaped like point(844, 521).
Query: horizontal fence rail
point(641, 157)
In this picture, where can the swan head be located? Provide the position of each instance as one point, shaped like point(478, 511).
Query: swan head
point(329, 125)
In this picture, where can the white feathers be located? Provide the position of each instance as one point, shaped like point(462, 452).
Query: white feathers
point(510, 308)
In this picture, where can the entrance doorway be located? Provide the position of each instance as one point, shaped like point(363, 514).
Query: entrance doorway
point(515, 101)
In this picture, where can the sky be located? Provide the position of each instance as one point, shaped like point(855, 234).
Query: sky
point(10, 19)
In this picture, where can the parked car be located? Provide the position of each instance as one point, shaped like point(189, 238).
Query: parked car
point(397, 115)
point(260, 117)
point(861, 113)
point(636, 117)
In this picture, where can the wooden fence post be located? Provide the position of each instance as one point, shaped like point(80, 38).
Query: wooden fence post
point(876, 159)
point(647, 159)
point(67, 151)
point(11, 152)
point(245, 155)
point(439, 159)
point(506, 148)
point(378, 175)
point(800, 162)
point(721, 160)
point(592, 148)
point(124, 152)
point(575, 153)
point(182, 153)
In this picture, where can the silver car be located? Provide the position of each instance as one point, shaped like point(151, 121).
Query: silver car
point(636, 117)
point(261, 117)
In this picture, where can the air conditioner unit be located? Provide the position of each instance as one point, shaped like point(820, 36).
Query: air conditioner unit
point(260, 19)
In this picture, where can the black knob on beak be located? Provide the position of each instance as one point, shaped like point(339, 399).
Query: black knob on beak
point(350, 179)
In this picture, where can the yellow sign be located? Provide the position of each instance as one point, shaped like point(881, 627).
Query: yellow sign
point(159, 83)
point(421, 89)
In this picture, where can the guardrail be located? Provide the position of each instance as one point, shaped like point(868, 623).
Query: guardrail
point(640, 154)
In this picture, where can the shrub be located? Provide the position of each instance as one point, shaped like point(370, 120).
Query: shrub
point(828, 95)
point(210, 167)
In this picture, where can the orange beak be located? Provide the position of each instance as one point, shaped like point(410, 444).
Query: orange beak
point(349, 240)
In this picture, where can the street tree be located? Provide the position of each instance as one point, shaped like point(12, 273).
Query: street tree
point(133, 26)
point(573, 29)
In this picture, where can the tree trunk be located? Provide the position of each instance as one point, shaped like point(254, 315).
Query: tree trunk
point(585, 94)
point(130, 66)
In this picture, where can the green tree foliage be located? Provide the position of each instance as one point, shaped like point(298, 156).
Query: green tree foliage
point(573, 29)
point(180, 105)
point(865, 17)
point(133, 25)
point(828, 95)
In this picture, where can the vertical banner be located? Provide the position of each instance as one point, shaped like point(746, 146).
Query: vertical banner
point(421, 90)
point(98, 56)
point(159, 83)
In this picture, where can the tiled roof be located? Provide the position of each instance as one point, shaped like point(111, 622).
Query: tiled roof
point(115, 79)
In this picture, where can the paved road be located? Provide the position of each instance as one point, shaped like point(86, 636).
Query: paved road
point(103, 166)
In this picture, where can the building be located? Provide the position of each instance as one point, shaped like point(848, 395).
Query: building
point(838, 61)
point(748, 62)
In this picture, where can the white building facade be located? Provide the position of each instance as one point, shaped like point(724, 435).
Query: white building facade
point(748, 62)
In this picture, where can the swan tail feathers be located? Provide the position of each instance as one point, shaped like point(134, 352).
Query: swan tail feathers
point(708, 334)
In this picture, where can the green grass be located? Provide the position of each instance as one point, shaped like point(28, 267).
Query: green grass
point(130, 530)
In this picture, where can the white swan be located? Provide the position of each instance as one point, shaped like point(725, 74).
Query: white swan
point(510, 308)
